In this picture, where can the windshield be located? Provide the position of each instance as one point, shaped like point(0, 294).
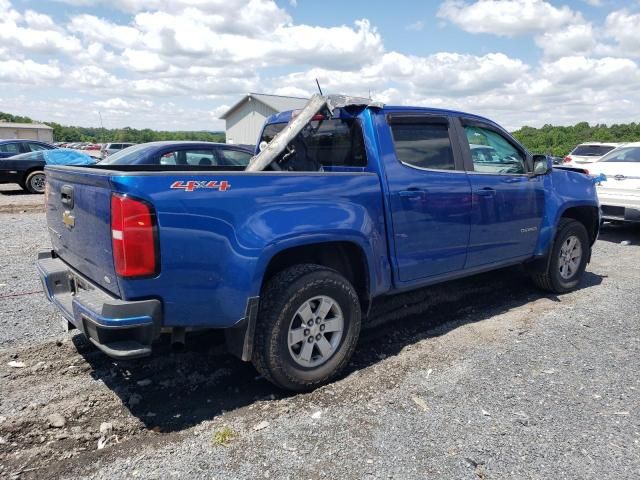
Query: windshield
point(126, 156)
point(331, 142)
point(591, 150)
point(626, 154)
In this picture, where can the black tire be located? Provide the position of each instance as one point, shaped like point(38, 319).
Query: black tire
point(551, 280)
point(34, 182)
point(284, 294)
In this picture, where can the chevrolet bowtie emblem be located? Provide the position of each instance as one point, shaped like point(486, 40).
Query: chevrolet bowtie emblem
point(68, 219)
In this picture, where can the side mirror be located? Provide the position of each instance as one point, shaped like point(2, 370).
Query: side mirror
point(542, 164)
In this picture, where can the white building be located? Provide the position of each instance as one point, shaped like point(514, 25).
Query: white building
point(245, 119)
point(27, 131)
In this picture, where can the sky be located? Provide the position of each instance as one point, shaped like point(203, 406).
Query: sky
point(180, 64)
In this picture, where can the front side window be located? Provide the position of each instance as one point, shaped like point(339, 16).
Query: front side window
point(332, 142)
point(493, 153)
point(629, 154)
point(423, 145)
point(13, 148)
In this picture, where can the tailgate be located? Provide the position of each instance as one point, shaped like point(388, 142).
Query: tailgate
point(79, 220)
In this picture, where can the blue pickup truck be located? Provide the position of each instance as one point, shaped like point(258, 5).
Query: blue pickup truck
point(344, 201)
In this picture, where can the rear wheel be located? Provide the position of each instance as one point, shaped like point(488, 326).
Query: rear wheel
point(571, 249)
point(35, 182)
point(308, 327)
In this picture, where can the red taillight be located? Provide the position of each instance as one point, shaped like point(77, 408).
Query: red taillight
point(133, 236)
point(567, 159)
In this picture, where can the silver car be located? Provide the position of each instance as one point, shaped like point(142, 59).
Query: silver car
point(111, 148)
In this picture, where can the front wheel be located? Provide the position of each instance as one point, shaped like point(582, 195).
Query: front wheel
point(35, 182)
point(569, 254)
point(308, 327)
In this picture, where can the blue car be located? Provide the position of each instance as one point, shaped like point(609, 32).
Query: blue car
point(347, 201)
point(9, 148)
point(182, 155)
point(27, 169)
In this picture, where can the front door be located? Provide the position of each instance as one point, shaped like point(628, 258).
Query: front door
point(507, 204)
point(429, 197)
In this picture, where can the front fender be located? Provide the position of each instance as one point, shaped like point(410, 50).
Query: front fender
point(563, 190)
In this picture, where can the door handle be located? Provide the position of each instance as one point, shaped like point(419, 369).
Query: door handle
point(66, 195)
point(411, 193)
point(486, 192)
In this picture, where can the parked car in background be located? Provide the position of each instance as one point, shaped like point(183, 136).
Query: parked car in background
point(9, 148)
point(587, 153)
point(620, 194)
point(27, 169)
point(183, 153)
point(111, 148)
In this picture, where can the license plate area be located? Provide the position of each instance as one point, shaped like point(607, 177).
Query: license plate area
point(77, 284)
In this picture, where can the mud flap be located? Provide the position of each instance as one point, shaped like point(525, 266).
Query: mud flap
point(239, 338)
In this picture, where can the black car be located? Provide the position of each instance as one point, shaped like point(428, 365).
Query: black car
point(9, 148)
point(27, 169)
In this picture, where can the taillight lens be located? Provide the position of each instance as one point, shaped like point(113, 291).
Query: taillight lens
point(133, 233)
point(567, 159)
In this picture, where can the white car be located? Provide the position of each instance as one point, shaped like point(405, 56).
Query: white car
point(620, 194)
point(587, 153)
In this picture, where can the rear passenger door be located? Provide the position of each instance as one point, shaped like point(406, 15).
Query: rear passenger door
point(430, 196)
point(507, 205)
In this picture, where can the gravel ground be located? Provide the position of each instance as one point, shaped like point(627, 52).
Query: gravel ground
point(480, 378)
point(15, 200)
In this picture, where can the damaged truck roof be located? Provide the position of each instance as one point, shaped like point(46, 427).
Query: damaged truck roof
point(316, 104)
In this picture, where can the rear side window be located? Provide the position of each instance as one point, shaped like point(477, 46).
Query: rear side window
point(13, 148)
point(35, 147)
point(591, 150)
point(629, 154)
point(126, 157)
point(330, 142)
point(423, 145)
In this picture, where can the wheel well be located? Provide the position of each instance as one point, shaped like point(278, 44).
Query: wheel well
point(588, 216)
point(344, 257)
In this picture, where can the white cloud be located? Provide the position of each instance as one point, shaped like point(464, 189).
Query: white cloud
point(33, 32)
point(506, 17)
point(624, 27)
point(103, 31)
point(179, 64)
point(27, 72)
point(144, 61)
point(579, 39)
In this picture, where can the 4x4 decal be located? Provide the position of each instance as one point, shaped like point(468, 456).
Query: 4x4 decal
point(191, 185)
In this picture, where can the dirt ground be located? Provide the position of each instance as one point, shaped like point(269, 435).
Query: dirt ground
point(483, 378)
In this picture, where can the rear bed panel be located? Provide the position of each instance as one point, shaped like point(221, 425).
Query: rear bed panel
point(84, 241)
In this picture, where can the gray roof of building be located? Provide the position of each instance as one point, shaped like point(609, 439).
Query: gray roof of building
point(25, 125)
point(279, 103)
